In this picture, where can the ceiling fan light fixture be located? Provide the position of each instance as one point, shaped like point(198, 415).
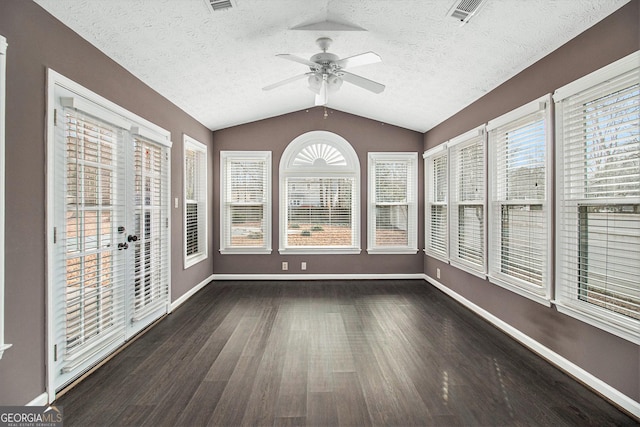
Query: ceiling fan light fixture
point(315, 82)
point(333, 83)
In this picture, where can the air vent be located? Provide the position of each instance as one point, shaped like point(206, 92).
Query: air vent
point(217, 5)
point(464, 10)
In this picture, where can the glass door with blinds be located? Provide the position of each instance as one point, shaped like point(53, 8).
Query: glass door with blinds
point(150, 242)
point(108, 255)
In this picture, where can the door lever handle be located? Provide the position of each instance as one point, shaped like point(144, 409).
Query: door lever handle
point(122, 246)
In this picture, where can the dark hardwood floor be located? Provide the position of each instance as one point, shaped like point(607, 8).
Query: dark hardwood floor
point(329, 354)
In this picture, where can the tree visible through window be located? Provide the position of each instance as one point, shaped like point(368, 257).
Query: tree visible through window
point(467, 191)
point(392, 203)
point(245, 222)
point(319, 184)
point(519, 213)
point(599, 208)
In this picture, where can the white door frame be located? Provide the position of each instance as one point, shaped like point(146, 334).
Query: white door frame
point(145, 128)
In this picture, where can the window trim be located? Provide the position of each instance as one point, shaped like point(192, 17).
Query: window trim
point(265, 156)
point(607, 320)
point(453, 144)
point(3, 89)
point(191, 144)
point(411, 158)
point(428, 156)
point(542, 294)
point(288, 170)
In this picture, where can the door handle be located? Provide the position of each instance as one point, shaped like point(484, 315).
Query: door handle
point(122, 246)
point(132, 238)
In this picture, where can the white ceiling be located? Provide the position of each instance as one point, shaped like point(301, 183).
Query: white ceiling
point(214, 65)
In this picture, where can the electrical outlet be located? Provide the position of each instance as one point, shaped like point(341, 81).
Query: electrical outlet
point(303, 266)
point(285, 265)
point(438, 273)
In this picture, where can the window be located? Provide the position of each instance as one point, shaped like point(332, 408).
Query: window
point(436, 196)
point(467, 201)
point(195, 201)
point(245, 216)
point(519, 214)
point(319, 195)
point(393, 211)
point(598, 220)
point(3, 52)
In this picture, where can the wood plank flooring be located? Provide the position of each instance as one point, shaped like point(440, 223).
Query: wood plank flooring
point(335, 353)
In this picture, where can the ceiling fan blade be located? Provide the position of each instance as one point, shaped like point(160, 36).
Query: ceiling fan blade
point(298, 59)
point(323, 96)
point(364, 83)
point(358, 60)
point(284, 82)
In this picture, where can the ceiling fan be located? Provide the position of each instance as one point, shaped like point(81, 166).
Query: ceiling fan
point(327, 71)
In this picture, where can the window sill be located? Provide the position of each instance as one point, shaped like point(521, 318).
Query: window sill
point(194, 259)
point(392, 251)
point(471, 270)
point(245, 251)
point(319, 251)
point(3, 347)
point(624, 329)
point(535, 294)
point(437, 256)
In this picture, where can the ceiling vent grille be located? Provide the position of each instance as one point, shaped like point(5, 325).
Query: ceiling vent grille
point(217, 5)
point(464, 10)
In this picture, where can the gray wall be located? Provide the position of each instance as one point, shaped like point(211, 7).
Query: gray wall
point(612, 359)
point(274, 135)
point(37, 41)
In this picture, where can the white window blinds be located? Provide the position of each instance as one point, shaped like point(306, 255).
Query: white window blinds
point(519, 212)
point(467, 201)
point(319, 212)
point(195, 201)
point(393, 203)
point(319, 195)
point(151, 210)
point(436, 195)
point(246, 212)
point(598, 245)
point(92, 309)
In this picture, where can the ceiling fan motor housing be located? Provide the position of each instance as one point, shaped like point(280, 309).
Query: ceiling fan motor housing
point(326, 62)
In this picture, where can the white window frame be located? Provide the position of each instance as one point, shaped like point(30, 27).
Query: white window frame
point(351, 170)
point(255, 156)
point(541, 108)
point(190, 144)
point(3, 90)
point(474, 136)
point(411, 159)
point(570, 197)
point(429, 157)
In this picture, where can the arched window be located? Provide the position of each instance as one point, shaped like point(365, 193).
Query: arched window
point(319, 196)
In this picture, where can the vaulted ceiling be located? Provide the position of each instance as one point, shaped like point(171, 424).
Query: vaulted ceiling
point(214, 65)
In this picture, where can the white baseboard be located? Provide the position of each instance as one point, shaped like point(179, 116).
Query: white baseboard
point(599, 386)
point(183, 298)
point(317, 276)
point(41, 400)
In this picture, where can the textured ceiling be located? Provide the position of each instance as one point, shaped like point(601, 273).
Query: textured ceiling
point(213, 65)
